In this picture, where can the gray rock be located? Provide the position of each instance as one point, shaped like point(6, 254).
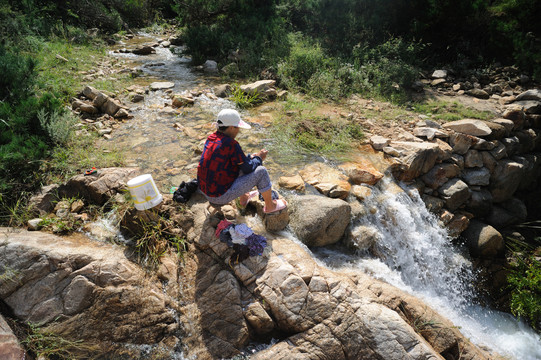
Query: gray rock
point(483, 240)
point(440, 174)
point(506, 179)
point(499, 152)
point(144, 50)
point(533, 94)
point(479, 176)
point(42, 202)
point(259, 87)
point(529, 106)
point(501, 217)
point(460, 143)
point(439, 74)
point(210, 66)
point(318, 220)
point(458, 160)
point(482, 144)
point(137, 98)
point(419, 158)
point(429, 133)
point(455, 192)
point(433, 204)
point(473, 159)
point(512, 145)
point(161, 85)
point(34, 224)
point(379, 142)
point(469, 127)
point(480, 203)
point(90, 92)
point(478, 93)
point(363, 238)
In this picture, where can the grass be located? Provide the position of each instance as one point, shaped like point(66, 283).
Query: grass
point(450, 111)
point(242, 99)
point(81, 153)
point(66, 78)
point(48, 345)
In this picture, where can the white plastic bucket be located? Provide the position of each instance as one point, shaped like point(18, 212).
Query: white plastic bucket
point(144, 192)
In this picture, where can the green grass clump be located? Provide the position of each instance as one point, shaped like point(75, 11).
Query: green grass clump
point(48, 345)
point(450, 111)
point(244, 100)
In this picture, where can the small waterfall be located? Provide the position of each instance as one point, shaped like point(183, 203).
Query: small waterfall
point(416, 255)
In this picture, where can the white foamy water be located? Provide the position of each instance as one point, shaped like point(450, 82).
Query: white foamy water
point(416, 255)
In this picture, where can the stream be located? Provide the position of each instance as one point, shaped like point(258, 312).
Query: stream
point(415, 255)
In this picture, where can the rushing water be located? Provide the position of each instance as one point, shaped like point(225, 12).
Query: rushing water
point(414, 253)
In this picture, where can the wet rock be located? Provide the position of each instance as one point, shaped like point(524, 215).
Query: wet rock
point(137, 98)
point(10, 349)
point(361, 192)
point(161, 85)
point(469, 127)
point(483, 240)
point(292, 183)
point(457, 225)
point(363, 238)
point(433, 204)
point(122, 114)
point(326, 180)
point(210, 66)
point(361, 172)
point(183, 100)
point(110, 107)
point(144, 50)
point(319, 221)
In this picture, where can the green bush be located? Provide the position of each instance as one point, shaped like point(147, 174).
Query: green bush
point(525, 283)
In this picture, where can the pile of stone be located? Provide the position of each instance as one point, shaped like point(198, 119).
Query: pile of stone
point(501, 84)
point(474, 169)
point(98, 110)
point(149, 49)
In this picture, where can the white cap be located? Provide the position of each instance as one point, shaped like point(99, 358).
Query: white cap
point(231, 117)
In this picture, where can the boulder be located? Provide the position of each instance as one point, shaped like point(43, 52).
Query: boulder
point(292, 183)
point(379, 142)
point(506, 123)
point(439, 74)
point(469, 127)
point(498, 131)
point(429, 133)
point(419, 158)
point(473, 159)
point(483, 240)
point(144, 50)
point(499, 152)
point(10, 349)
point(122, 114)
point(361, 192)
point(110, 107)
point(258, 318)
point(516, 114)
point(461, 143)
point(183, 100)
point(532, 94)
point(478, 176)
point(506, 179)
point(88, 279)
point(100, 187)
point(259, 87)
point(90, 92)
point(529, 106)
point(440, 174)
point(326, 180)
point(457, 225)
point(361, 172)
point(455, 192)
point(210, 66)
point(43, 201)
point(319, 221)
point(478, 93)
point(362, 238)
point(480, 203)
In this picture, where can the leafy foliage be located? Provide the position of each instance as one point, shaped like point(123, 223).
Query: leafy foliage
point(525, 283)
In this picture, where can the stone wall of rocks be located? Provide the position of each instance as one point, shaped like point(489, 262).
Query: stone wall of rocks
point(466, 169)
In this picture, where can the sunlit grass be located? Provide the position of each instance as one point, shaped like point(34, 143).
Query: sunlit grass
point(450, 111)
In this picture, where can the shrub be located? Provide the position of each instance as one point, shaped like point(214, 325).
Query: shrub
point(305, 60)
point(525, 283)
point(58, 125)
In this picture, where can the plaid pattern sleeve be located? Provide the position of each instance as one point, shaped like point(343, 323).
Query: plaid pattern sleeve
point(219, 164)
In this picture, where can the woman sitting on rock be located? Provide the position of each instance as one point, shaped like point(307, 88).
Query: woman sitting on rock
point(225, 173)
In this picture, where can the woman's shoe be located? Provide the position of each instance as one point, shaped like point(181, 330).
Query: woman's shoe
point(281, 204)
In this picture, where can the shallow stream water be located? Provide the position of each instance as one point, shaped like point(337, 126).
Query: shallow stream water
point(415, 254)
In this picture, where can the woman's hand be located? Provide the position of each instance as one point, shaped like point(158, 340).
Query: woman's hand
point(262, 154)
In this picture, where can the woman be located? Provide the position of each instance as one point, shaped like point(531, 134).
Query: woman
point(225, 173)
